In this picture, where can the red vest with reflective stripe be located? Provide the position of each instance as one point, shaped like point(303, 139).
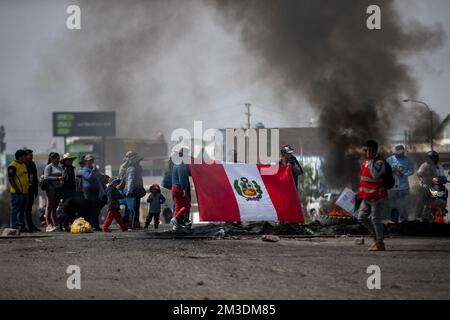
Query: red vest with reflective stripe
point(369, 188)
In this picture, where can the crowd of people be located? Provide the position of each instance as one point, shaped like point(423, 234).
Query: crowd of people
point(83, 192)
point(385, 182)
point(88, 190)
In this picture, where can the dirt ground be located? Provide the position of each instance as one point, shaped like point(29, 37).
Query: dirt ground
point(135, 265)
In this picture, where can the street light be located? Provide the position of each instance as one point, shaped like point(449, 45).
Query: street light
point(431, 118)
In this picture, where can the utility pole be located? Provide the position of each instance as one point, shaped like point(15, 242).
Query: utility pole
point(2, 139)
point(247, 105)
point(431, 119)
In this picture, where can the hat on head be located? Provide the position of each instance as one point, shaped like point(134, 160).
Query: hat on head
point(129, 154)
point(155, 186)
point(88, 157)
point(68, 156)
point(113, 180)
point(287, 149)
point(399, 149)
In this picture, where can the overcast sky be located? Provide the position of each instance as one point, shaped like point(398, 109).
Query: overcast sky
point(31, 32)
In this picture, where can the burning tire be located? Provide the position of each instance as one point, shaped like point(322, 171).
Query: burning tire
point(333, 220)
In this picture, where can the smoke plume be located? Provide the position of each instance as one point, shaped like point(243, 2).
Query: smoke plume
point(355, 78)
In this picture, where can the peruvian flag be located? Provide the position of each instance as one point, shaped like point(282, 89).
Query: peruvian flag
point(239, 192)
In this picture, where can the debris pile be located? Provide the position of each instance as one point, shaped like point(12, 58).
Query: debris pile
point(232, 229)
point(337, 227)
point(419, 229)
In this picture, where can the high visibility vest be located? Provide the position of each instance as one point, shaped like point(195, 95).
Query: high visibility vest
point(21, 177)
point(370, 188)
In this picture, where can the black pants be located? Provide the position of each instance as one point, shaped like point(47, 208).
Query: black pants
point(28, 211)
point(96, 204)
point(154, 216)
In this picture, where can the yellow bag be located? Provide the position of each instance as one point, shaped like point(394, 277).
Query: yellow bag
point(80, 226)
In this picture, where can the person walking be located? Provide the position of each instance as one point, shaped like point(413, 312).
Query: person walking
point(134, 190)
point(19, 184)
point(399, 194)
point(373, 194)
point(154, 200)
point(33, 190)
point(113, 196)
point(53, 175)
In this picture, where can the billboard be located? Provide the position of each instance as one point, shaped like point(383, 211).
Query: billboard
point(84, 124)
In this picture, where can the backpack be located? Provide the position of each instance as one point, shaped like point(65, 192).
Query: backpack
point(388, 177)
point(167, 180)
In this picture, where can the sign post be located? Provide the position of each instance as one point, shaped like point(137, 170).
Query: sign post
point(85, 124)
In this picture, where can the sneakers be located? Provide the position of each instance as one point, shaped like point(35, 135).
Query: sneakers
point(177, 226)
point(50, 228)
point(377, 245)
point(106, 230)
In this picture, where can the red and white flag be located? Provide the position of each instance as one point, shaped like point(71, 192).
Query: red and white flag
point(239, 192)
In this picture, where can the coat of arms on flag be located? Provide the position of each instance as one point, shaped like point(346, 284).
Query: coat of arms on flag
point(250, 190)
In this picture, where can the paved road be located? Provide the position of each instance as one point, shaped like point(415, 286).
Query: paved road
point(132, 266)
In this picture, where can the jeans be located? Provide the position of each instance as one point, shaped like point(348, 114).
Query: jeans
point(18, 206)
point(398, 200)
point(370, 215)
point(133, 204)
point(29, 210)
point(421, 200)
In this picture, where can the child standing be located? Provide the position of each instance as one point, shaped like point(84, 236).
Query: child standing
point(113, 196)
point(155, 200)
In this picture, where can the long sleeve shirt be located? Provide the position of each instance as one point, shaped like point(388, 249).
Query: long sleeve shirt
point(428, 170)
point(113, 196)
point(33, 178)
point(91, 179)
point(180, 176)
point(155, 201)
point(401, 170)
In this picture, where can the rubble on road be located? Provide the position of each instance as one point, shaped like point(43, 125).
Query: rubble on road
point(270, 238)
point(233, 230)
point(341, 227)
point(10, 232)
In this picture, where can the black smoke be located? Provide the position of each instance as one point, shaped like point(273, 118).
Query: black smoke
point(355, 78)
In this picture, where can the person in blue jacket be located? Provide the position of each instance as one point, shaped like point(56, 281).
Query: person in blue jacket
point(398, 195)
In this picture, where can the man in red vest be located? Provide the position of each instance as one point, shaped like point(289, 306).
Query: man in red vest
point(373, 194)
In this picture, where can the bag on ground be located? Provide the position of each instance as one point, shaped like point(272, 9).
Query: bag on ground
point(81, 226)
